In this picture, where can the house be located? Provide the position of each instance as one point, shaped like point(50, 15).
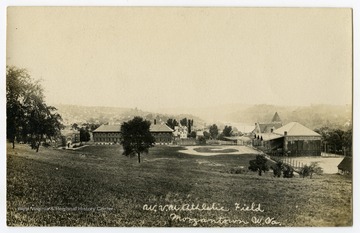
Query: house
point(107, 134)
point(181, 131)
point(345, 166)
point(69, 136)
point(266, 127)
point(162, 133)
point(199, 134)
point(292, 139)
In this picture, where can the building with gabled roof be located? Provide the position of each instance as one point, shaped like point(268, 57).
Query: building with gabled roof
point(276, 118)
point(345, 166)
point(181, 131)
point(107, 134)
point(267, 127)
point(162, 133)
point(295, 129)
point(292, 139)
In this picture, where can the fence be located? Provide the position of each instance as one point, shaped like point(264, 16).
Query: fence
point(295, 164)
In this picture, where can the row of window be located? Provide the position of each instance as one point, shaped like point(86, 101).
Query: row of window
point(107, 134)
point(106, 139)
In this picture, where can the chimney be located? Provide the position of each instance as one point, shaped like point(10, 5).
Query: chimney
point(154, 121)
point(285, 133)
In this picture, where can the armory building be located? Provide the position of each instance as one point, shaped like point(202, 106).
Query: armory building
point(110, 134)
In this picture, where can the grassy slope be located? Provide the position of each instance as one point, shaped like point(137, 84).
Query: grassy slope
point(101, 177)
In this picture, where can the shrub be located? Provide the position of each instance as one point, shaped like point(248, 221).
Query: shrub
point(201, 140)
point(288, 171)
point(310, 170)
point(259, 164)
point(238, 170)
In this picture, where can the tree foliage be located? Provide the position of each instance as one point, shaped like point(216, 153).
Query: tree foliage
point(335, 140)
point(84, 134)
point(227, 131)
point(136, 137)
point(188, 123)
point(309, 170)
point(214, 131)
point(172, 123)
point(192, 134)
point(29, 118)
point(201, 140)
point(259, 164)
point(207, 135)
point(281, 168)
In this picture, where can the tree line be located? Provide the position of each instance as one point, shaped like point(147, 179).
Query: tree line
point(335, 140)
point(28, 118)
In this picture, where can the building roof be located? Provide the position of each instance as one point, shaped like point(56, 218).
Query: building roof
point(199, 133)
point(107, 129)
point(160, 128)
point(346, 164)
point(241, 138)
point(295, 129)
point(269, 136)
point(276, 118)
point(67, 132)
point(266, 127)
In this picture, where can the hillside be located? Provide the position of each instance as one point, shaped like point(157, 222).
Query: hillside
point(313, 116)
point(114, 115)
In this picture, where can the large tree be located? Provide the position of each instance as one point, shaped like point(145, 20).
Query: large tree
point(136, 137)
point(172, 123)
point(259, 164)
point(184, 122)
point(44, 123)
point(28, 116)
point(84, 134)
point(214, 131)
point(17, 91)
point(227, 131)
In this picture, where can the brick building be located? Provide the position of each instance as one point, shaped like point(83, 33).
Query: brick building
point(107, 134)
point(162, 133)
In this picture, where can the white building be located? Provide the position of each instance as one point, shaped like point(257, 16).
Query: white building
point(181, 131)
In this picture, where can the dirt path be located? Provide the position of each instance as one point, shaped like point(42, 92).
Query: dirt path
point(240, 150)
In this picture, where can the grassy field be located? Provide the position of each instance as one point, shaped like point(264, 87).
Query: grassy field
point(97, 186)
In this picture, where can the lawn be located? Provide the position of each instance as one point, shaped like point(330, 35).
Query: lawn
point(97, 186)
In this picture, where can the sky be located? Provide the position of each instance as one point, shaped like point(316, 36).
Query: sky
point(152, 57)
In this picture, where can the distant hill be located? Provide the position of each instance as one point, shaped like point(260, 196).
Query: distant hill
point(313, 116)
point(114, 115)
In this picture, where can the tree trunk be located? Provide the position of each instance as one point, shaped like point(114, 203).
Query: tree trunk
point(13, 142)
point(139, 157)
point(38, 145)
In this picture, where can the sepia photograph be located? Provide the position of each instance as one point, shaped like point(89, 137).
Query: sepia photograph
point(176, 116)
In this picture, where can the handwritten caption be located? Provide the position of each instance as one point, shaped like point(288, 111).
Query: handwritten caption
point(254, 214)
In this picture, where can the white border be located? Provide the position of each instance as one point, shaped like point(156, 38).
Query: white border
point(240, 3)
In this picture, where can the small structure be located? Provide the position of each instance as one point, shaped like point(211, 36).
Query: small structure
point(345, 166)
point(107, 134)
point(162, 133)
point(199, 134)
